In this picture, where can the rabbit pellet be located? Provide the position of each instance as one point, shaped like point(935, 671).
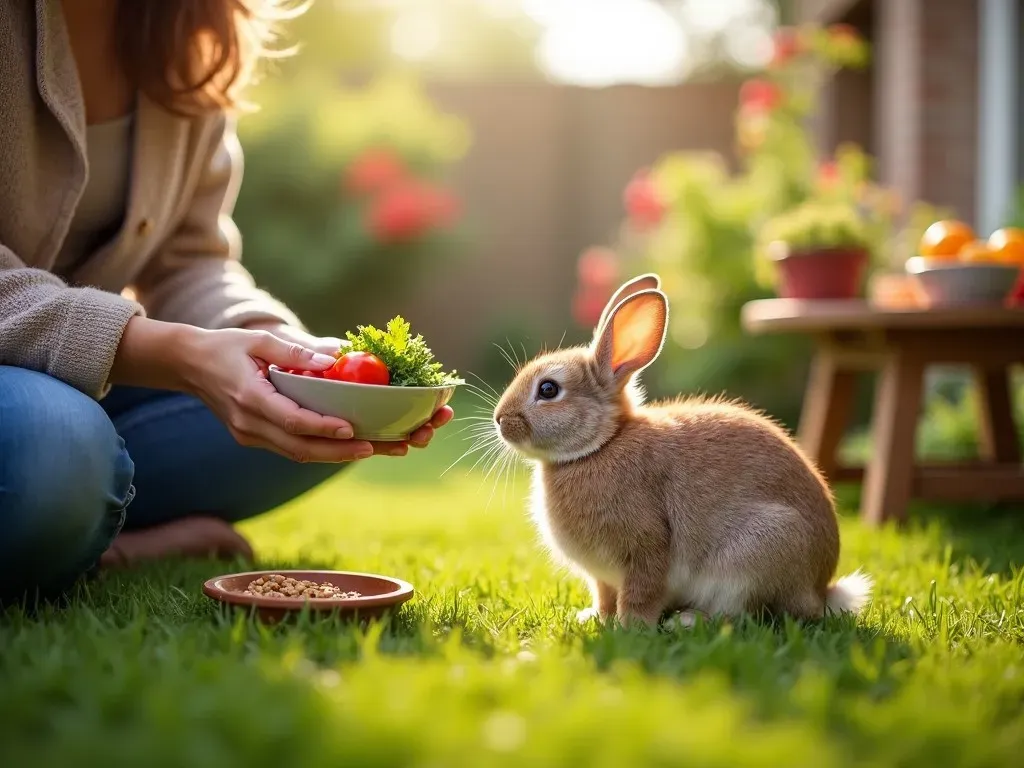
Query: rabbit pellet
point(277, 585)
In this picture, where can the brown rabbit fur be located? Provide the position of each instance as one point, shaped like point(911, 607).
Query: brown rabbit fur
point(698, 505)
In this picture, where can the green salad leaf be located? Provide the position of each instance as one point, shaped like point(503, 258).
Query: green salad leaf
point(408, 358)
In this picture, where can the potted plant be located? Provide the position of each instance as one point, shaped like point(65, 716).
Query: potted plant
point(816, 251)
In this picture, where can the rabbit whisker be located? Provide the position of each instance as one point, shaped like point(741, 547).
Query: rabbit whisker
point(508, 358)
point(515, 354)
point(510, 469)
point(487, 397)
point(474, 430)
point(491, 389)
point(481, 418)
point(478, 445)
point(499, 457)
point(487, 458)
point(492, 449)
point(502, 465)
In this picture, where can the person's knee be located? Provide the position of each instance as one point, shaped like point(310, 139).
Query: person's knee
point(65, 478)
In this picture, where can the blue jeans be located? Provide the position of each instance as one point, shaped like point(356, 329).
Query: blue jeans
point(74, 472)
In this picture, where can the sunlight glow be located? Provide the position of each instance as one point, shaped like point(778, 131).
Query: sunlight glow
point(543, 12)
point(717, 16)
point(415, 35)
point(749, 45)
point(591, 43)
point(611, 42)
point(502, 9)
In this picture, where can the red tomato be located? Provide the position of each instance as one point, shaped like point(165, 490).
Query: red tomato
point(359, 368)
point(313, 374)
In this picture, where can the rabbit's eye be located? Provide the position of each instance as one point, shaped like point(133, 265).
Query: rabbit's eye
point(548, 390)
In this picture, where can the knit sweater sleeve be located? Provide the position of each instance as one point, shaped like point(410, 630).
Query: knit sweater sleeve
point(69, 333)
point(197, 277)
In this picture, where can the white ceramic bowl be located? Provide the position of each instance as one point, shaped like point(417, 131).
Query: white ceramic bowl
point(951, 283)
point(375, 412)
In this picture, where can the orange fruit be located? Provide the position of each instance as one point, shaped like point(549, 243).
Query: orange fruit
point(1007, 245)
point(978, 252)
point(944, 239)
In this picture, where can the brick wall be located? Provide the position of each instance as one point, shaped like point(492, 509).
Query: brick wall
point(949, 104)
point(822, 10)
point(544, 180)
point(923, 94)
point(848, 103)
point(897, 41)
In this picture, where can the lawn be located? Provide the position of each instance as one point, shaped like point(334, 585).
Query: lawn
point(486, 667)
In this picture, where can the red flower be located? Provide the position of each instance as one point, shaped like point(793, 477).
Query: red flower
point(643, 202)
point(785, 46)
point(587, 306)
point(408, 210)
point(598, 268)
point(828, 173)
point(760, 95)
point(373, 171)
point(442, 205)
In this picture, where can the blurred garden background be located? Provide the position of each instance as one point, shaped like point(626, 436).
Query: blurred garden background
point(491, 168)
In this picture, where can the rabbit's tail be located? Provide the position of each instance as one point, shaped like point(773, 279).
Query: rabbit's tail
point(850, 593)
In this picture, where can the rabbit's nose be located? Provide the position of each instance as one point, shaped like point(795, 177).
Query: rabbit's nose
point(513, 428)
point(498, 419)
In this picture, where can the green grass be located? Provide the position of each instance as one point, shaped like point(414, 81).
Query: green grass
point(486, 666)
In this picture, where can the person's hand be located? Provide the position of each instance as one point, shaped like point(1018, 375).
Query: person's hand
point(421, 437)
point(330, 345)
point(228, 370)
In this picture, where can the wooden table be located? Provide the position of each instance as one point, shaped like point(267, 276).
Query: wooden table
point(852, 337)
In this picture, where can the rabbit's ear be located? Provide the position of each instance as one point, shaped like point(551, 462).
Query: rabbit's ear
point(648, 282)
point(633, 335)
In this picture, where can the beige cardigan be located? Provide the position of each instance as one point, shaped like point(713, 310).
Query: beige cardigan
point(178, 249)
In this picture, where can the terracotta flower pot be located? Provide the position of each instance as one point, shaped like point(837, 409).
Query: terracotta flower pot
point(824, 273)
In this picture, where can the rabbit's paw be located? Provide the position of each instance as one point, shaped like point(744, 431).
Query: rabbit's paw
point(588, 615)
point(681, 620)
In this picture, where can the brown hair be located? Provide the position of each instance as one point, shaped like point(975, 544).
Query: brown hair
point(193, 56)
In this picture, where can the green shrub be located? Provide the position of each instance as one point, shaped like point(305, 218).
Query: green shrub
point(948, 430)
point(344, 191)
point(703, 228)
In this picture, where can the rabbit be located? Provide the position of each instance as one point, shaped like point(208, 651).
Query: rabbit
point(699, 506)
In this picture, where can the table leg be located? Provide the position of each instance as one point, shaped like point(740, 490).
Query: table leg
point(997, 426)
point(889, 475)
point(827, 405)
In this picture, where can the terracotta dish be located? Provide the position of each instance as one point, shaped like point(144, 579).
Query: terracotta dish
point(378, 594)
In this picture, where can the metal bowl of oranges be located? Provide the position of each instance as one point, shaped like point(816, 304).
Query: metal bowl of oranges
point(956, 268)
